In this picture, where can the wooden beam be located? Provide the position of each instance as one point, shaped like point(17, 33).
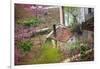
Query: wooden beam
point(62, 20)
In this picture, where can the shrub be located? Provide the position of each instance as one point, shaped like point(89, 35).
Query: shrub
point(73, 46)
point(83, 50)
point(49, 54)
point(29, 21)
point(25, 46)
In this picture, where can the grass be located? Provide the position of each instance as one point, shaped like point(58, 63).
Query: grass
point(48, 54)
point(73, 46)
point(77, 47)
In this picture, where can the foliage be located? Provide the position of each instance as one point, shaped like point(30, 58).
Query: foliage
point(80, 47)
point(25, 46)
point(84, 48)
point(29, 21)
point(49, 54)
point(72, 10)
point(72, 13)
point(72, 47)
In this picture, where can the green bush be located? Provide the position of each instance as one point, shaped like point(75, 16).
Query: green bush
point(25, 46)
point(73, 46)
point(84, 48)
point(29, 21)
point(49, 54)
